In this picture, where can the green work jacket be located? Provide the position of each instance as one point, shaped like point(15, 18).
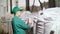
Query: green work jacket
point(19, 26)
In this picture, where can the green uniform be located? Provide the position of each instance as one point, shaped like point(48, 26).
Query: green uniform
point(19, 26)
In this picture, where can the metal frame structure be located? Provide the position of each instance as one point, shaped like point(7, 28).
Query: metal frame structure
point(27, 5)
point(34, 3)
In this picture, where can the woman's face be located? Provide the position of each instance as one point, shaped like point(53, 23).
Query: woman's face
point(18, 13)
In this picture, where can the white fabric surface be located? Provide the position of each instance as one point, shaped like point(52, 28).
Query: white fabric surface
point(50, 15)
point(27, 15)
point(54, 14)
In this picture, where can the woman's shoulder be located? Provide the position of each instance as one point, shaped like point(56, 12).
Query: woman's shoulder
point(16, 18)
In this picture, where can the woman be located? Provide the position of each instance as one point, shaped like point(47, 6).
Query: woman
point(18, 25)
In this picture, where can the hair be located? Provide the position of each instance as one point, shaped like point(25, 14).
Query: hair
point(52, 32)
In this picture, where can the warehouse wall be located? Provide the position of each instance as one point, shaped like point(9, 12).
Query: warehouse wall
point(3, 7)
point(57, 3)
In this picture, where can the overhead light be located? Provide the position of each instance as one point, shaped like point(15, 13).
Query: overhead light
point(37, 3)
point(42, 1)
point(46, 0)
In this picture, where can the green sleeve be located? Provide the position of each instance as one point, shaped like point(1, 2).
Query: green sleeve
point(21, 24)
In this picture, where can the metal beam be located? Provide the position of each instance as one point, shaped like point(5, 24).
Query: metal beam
point(27, 5)
point(11, 6)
